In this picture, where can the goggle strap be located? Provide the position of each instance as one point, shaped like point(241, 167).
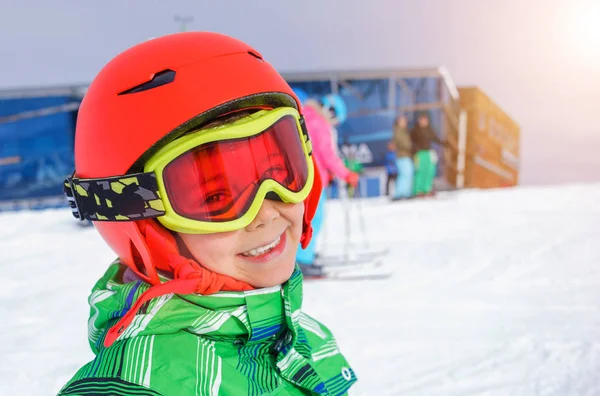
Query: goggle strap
point(68, 191)
point(120, 198)
point(306, 136)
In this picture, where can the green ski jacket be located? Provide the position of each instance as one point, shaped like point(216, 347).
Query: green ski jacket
point(256, 342)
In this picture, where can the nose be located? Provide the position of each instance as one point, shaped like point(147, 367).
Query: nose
point(267, 213)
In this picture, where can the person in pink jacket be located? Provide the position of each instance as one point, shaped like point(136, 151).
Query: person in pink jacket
point(320, 118)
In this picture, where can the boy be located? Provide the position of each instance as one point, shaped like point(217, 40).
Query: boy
point(193, 161)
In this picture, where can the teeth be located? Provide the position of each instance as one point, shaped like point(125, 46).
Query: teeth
point(262, 249)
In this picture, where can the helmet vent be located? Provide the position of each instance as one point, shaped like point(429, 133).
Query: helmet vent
point(161, 78)
point(257, 56)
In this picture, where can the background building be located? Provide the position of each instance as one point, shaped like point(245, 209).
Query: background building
point(37, 128)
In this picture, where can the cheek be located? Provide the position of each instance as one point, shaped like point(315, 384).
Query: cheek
point(211, 248)
point(295, 215)
point(300, 212)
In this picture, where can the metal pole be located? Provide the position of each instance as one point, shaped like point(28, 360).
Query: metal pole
point(462, 150)
point(183, 21)
point(392, 93)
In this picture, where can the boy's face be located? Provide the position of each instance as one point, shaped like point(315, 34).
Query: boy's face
point(262, 254)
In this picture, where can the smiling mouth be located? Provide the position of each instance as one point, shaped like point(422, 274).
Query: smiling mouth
point(262, 249)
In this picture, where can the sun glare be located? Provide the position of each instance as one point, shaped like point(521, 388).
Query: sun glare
point(587, 28)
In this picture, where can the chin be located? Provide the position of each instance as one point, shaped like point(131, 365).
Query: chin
point(275, 277)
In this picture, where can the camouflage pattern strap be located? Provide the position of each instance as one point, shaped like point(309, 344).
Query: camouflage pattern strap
point(120, 198)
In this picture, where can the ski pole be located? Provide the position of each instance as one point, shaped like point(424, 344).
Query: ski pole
point(324, 227)
point(362, 222)
point(361, 216)
point(347, 225)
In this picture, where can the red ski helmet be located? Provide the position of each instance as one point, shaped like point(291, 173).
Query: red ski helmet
point(155, 92)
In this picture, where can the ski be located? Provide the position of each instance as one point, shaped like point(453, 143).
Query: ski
point(366, 269)
point(352, 257)
point(353, 275)
point(359, 274)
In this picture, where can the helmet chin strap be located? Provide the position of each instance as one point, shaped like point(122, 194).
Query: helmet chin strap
point(189, 277)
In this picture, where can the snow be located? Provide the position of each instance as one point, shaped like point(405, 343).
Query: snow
point(494, 293)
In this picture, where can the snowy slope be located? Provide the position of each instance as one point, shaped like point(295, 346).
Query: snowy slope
point(494, 293)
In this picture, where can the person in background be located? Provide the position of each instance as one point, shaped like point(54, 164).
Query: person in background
point(391, 169)
point(422, 136)
point(354, 165)
point(404, 163)
point(320, 116)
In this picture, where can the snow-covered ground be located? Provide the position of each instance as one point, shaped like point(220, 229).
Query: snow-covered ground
point(494, 293)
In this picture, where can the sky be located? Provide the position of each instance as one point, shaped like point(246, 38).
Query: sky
point(536, 58)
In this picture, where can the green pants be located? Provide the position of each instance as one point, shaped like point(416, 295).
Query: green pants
point(424, 172)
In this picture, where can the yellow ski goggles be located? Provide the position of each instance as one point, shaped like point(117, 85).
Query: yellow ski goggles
point(210, 180)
